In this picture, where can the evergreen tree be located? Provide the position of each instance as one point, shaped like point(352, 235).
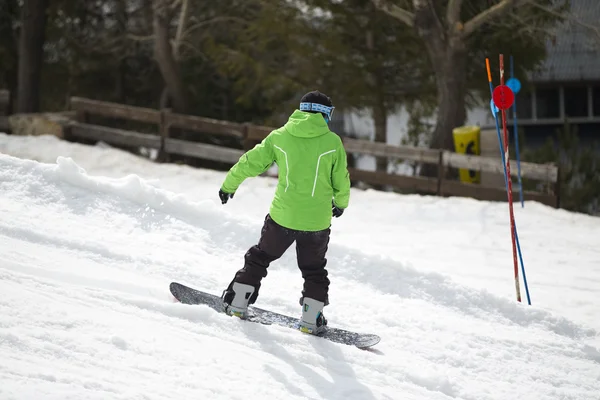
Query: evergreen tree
point(579, 167)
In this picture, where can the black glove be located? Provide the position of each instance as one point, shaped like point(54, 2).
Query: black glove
point(336, 211)
point(225, 196)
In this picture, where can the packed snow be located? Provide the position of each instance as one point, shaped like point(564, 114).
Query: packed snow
point(91, 237)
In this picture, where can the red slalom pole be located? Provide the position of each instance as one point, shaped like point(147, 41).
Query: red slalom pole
point(509, 182)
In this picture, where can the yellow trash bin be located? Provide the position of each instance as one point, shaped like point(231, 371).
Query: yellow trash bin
point(466, 141)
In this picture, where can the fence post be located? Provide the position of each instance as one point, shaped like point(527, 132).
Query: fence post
point(441, 172)
point(80, 117)
point(557, 186)
point(164, 135)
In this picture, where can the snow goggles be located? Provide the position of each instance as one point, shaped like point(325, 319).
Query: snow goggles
point(318, 108)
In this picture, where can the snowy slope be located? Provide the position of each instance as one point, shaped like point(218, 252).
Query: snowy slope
point(85, 312)
point(466, 239)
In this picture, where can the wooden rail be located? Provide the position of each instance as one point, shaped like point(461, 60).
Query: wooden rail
point(202, 150)
point(114, 110)
point(115, 136)
point(249, 135)
point(428, 156)
point(205, 125)
point(543, 172)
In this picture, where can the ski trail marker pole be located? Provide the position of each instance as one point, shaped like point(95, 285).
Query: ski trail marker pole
point(495, 110)
point(502, 98)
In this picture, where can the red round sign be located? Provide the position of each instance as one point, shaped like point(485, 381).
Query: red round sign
point(503, 97)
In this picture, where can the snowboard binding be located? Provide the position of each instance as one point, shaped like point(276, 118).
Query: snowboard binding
point(235, 300)
point(313, 321)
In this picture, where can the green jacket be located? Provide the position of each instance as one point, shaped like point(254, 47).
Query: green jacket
point(312, 172)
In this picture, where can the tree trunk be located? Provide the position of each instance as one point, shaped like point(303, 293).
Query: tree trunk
point(449, 66)
point(448, 55)
point(165, 58)
point(8, 36)
point(164, 101)
point(121, 67)
point(380, 120)
point(379, 109)
point(31, 52)
point(451, 87)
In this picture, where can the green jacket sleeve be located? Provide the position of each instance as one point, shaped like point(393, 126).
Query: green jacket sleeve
point(341, 178)
point(252, 163)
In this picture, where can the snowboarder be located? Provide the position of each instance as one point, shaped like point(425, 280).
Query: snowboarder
point(313, 186)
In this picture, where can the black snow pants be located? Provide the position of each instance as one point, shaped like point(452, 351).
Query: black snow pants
point(275, 239)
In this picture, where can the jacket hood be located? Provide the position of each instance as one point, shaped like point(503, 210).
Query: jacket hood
point(306, 125)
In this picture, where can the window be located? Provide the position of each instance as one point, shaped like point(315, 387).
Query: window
point(596, 101)
point(576, 101)
point(524, 104)
point(547, 103)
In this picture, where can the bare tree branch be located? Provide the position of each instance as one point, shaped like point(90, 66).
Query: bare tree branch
point(197, 25)
point(570, 17)
point(183, 17)
point(491, 13)
point(194, 49)
point(397, 12)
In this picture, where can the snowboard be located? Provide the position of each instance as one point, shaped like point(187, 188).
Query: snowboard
point(187, 295)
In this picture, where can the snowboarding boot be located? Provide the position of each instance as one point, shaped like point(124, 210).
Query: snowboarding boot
point(235, 300)
point(313, 321)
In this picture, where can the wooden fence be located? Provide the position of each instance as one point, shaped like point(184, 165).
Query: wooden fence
point(248, 135)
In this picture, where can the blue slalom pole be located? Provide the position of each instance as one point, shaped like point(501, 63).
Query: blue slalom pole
point(506, 185)
point(522, 266)
point(515, 128)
